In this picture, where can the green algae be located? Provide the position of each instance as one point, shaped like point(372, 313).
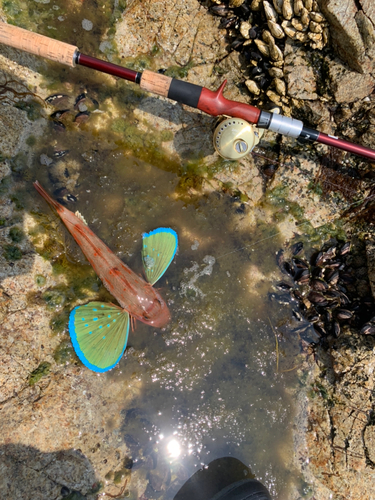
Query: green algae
point(54, 298)
point(5, 184)
point(16, 234)
point(315, 187)
point(64, 353)
point(155, 50)
point(277, 198)
point(17, 200)
point(75, 495)
point(166, 135)
point(59, 323)
point(179, 71)
point(33, 109)
point(109, 476)
point(278, 195)
point(81, 281)
point(31, 140)
point(192, 175)
point(147, 146)
point(12, 252)
point(42, 370)
point(120, 475)
point(139, 63)
point(322, 233)
point(18, 165)
point(40, 280)
point(242, 197)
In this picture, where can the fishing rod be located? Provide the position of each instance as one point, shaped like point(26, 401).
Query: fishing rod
point(234, 137)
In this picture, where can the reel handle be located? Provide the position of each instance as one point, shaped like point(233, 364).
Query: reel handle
point(38, 44)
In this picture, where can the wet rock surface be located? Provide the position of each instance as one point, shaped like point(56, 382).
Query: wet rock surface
point(351, 32)
point(57, 437)
point(336, 454)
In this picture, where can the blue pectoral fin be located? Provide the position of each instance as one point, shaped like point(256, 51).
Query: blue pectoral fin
point(99, 334)
point(159, 248)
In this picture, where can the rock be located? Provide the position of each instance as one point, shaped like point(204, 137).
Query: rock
point(184, 32)
point(338, 450)
point(29, 474)
point(299, 74)
point(4, 169)
point(369, 441)
point(370, 253)
point(293, 177)
point(366, 29)
point(345, 34)
point(246, 176)
point(349, 86)
point(368, 9)
point(368, 138)
point(13, 128)
point(314, 112)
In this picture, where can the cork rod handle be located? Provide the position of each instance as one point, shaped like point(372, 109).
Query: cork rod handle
point(37, 44)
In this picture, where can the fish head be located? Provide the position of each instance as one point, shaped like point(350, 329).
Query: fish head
point(157, 314)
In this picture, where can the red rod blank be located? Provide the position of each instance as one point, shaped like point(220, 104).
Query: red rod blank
point(346, 146)
point(106, 67)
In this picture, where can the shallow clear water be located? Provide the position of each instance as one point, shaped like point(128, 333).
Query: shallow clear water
point(210, 384)
point(209, 381)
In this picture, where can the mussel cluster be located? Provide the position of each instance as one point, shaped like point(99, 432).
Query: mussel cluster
point(67, 111)
point(324, 292)
point(82, 107)
point(259, 28)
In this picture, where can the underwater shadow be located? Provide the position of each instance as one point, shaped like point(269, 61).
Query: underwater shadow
point(31, 474)
point(192, 130)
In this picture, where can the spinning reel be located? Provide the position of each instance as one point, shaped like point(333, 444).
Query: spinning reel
point(235, 138)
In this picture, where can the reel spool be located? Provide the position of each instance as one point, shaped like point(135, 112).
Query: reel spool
point(234, 138)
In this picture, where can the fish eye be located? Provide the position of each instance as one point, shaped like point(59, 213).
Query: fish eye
point(146, 317)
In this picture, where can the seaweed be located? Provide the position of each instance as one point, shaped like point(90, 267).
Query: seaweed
point(329, 179)
point(42, 370)
point(13, 92)
point(40, 280)
point(16, 234)
point(12, 252)
point(364, 211)
point(64, 353)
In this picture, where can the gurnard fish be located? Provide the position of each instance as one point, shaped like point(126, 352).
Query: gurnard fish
point(99, 331)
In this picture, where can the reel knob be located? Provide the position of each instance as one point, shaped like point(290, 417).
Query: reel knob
point(234, 138)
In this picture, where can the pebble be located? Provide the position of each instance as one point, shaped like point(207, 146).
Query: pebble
point(87, 25)
point(45, 160)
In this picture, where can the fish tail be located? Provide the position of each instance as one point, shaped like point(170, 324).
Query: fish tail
point(47, 197)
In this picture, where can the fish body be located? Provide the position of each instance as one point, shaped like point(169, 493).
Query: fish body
point(132, 292)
